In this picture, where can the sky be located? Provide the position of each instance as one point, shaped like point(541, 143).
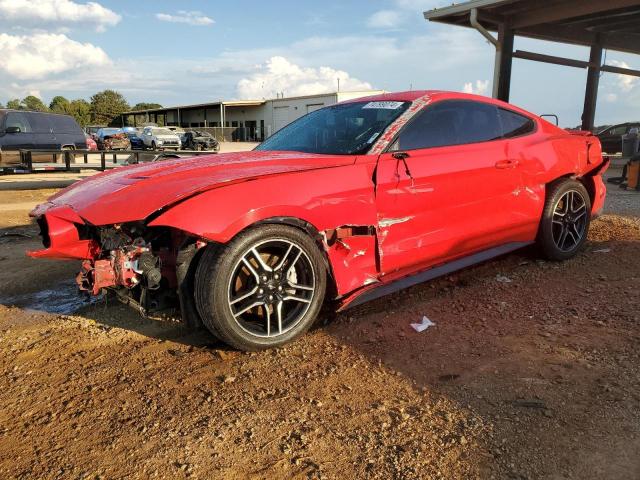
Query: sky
point(194, 51)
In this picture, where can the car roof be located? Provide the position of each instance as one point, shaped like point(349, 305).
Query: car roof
point(413, 95)
point(31, 112)
point(435, 95)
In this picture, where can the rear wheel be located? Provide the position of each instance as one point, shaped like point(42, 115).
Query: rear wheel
point(262, 289)
point(565, 221)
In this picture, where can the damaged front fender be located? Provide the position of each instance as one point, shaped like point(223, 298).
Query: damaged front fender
point(336, 202)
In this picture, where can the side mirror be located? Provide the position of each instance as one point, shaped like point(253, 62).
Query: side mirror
point(13, 130)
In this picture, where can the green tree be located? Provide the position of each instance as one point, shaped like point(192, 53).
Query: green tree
point(80, 110)
point(106, 106)
point(59, 104)
point(14, 104)
point(34, 104)
point(146, 106)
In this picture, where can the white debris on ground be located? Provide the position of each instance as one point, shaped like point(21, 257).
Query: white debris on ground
point(503, 279)
point(422, 326)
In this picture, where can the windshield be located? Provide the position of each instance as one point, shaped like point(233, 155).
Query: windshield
point(110, 131)
point(162, 131)
point(343, 129)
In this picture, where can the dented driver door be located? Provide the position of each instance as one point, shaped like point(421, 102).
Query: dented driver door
point(435, 205)
point(447, 187)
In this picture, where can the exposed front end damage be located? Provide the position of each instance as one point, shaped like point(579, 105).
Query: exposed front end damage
point(145, 267)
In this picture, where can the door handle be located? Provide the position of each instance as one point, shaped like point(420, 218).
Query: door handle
point(506, 164)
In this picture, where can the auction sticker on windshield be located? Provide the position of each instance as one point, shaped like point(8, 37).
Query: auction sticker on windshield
point(384, 105)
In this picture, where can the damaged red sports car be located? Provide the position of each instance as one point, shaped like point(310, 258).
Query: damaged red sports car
point(348, 203)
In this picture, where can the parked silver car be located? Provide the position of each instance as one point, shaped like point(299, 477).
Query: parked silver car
point(160, 138)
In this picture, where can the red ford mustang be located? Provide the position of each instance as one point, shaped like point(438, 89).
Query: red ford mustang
point(348, 203)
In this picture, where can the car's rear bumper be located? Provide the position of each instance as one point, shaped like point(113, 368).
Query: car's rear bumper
point(599, 190)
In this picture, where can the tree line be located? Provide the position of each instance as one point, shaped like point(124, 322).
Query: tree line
point(103, 108)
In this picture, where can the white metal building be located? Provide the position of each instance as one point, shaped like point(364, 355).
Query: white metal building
point(250, 120)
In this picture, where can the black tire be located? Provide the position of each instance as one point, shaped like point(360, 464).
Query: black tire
point(219, 273)
point(154, 147)
point(566, 217)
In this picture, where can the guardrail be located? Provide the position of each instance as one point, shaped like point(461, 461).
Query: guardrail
point(108, 159)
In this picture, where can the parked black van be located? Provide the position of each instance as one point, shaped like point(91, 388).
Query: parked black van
point(33, 130)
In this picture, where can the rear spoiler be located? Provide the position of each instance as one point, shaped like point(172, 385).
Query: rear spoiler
point(582, 133)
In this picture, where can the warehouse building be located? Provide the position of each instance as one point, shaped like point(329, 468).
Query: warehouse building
point(241, 120)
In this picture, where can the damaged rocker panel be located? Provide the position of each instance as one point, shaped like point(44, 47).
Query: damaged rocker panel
point(373, 292)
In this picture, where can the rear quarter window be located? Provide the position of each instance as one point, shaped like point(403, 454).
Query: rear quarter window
point(514, 124)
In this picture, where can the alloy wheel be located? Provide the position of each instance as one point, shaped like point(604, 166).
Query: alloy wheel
point(569, 222)
point(271, 287)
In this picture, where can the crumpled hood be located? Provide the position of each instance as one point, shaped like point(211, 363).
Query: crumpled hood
point(133, 193)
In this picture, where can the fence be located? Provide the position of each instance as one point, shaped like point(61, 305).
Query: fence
point(66, 160)
point(233, 134)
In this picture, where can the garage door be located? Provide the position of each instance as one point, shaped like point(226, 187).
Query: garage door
point(280, 117)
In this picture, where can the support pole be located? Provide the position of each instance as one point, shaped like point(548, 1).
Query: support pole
point(503, 63)
point(504, 55)
point(591, 93)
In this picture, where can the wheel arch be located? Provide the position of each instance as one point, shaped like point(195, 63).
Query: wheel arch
point(311, 231)
point(586, 180)
point(350, 261)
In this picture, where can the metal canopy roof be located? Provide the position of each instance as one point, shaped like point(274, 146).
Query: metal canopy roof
point(232, 103)
point(613, 24)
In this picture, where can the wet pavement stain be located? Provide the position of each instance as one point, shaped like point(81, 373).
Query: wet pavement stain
point(64, 299)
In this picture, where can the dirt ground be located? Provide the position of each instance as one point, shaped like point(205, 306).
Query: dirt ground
point(532, 371)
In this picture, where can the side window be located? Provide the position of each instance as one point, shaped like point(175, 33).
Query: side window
point(447, 123)
point(619, 130)
point(64, 124)
point(514, 124)
point(18, 119)
point(39, 122)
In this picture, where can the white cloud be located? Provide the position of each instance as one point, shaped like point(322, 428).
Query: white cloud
point(36, 56)
point(280, 75)
point(385, 19)
point(422, 5)
point(611, 97)
point(404, 10)
point(58, 12)
point(481, 87)
point(626, 83)
point(188, 17)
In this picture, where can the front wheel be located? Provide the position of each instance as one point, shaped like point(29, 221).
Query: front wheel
point(565, 220)
point(262, 289)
